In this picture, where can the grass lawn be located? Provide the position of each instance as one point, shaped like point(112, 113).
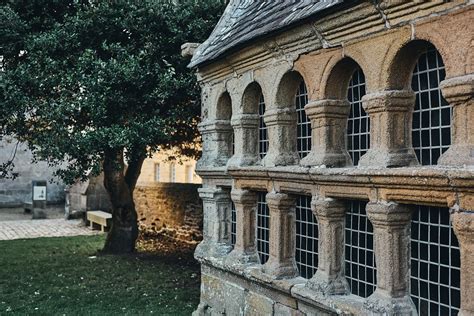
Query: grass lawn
point(63, 276)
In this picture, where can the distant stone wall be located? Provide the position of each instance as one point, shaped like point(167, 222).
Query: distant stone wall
point(173, 209)
point(16, 192)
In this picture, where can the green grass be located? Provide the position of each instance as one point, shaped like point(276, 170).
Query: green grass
point(62, 276)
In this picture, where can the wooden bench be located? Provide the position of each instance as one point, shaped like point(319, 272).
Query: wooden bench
point(100, 218)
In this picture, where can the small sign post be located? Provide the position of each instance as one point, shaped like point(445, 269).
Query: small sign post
point(39, 195)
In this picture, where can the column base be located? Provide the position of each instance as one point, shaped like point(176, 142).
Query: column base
point(273, 160)
point(382, 304)
point(207, 249)
point(457, 156)
point(320, 283)
point(330, 160)
point(385, 159)
point(281, 270)
point(237, 257)
point(241, 161)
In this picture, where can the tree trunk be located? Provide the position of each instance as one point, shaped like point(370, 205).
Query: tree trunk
point(120, 186)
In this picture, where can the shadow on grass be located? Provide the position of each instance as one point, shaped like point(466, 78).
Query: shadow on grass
point(57, 276)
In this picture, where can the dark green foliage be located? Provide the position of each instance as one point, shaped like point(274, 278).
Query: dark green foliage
point(63, 276)
point(81, 79)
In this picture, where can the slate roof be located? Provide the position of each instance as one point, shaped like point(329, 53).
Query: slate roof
point(244, 21)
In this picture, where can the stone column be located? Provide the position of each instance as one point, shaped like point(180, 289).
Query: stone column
point(245, 248)
point(217, 143)
point(245, 140)
point(216, 234)
point(281, 263)
point(390, 129)
point(463, 225)
point(459, 92)
point(281, 126)
point(391, 222)
point(329, 279)
point(329, 126)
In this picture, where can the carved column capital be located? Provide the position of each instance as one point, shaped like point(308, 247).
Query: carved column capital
point(390, 125)
point(391, 222)
point(459, 92)
point(463, 225)
point(329, 279)
point(281, 263)
point(216, 139)
point(329, 125)
point(281, 127)
point(245, 140)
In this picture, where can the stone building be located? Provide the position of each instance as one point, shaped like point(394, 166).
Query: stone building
point(338, 159)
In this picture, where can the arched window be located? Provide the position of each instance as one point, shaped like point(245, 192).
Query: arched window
point(263, 228)
point(262, 129)
point(358, 125)
point(306, 238)
point(359, 251)
point(431, 128)
point(303, 124)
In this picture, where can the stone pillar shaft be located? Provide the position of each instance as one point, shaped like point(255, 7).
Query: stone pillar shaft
point(391, 222)
point(281, 262)
point(459, 92)
point(329, 126)
point(281, 127)
point(245, 140)
point(245, 249)
point(463, 225)
point(217, 143)
point(390, 129)
point(329, 278)
point(216, 234)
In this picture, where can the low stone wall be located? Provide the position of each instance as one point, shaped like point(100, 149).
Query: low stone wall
point(172, 209)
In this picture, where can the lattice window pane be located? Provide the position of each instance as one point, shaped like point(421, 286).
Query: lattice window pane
point(306, 238)
point(435, 263)
point(359, 251)
point(263, 228)
point(262, 129)
point(303, 124)
point(358, 124)
point(431, 127)
point(233, 224)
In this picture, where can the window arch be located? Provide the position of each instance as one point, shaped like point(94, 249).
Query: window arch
point(262, 129)
point(303, 123)
point(224, 113)
point(358, 124)
point(431, 126)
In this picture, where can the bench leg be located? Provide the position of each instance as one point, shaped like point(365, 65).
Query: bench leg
point(102, 228)
point(91, 225)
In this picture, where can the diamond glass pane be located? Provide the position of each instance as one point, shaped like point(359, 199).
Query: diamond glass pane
point(431, 127)
point(262, 129)
point(303, 124)
point(359, 251)
point(358, 124)
point(233, 224)
point(263, 228)
point(435, 263)
point(306, 238)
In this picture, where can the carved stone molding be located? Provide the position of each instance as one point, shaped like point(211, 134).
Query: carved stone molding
point(217, 144)
point(245, 140)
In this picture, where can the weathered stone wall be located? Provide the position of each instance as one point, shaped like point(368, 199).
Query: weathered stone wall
point(18, 191)
point(384, 39)
point(87, 196)
point(173, 209)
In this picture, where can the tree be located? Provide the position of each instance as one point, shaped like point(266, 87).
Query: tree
point(100, 85)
